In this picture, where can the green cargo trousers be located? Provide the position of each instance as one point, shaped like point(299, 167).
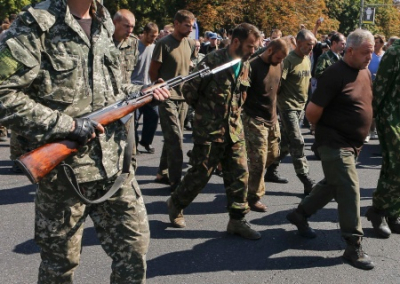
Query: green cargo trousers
point(340, 183)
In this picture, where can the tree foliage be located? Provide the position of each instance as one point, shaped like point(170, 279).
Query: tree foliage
point(8, 7)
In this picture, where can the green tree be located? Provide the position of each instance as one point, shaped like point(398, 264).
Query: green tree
point(158, 11)
point(347, 12)
point(8, 7)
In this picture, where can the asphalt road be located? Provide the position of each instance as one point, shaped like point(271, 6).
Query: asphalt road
point(203, 252)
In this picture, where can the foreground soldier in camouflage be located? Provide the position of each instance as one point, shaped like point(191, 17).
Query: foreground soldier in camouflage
point(260, 120)
point(59, 63)
point(218, 133)
point(386, 198)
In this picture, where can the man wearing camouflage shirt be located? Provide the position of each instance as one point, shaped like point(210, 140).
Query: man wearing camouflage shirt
point(218, 132)
point(385, 210)
point(59, 63)
point(127, 43)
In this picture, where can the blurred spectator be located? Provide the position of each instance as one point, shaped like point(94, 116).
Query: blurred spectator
point(377, 54)
point(12, 17)
point(141, 76)
point(391, 41)
point(275, 33)
point(205, 49)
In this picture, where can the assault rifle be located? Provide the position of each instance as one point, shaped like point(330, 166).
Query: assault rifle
point(39, 162)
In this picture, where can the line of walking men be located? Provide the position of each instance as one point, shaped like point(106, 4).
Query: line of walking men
point(243, 143)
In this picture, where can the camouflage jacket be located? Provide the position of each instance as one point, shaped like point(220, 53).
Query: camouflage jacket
point(386, 84)
point(324, 61)
point(218, 101)
point(128, 57)
point(51, 72)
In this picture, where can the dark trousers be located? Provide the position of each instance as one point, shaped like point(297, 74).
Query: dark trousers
point(150, 121)
point(340, 183)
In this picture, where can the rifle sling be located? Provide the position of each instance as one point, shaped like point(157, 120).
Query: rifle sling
point(67, 173)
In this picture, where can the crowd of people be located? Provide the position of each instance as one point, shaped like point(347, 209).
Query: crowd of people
point(62, 60)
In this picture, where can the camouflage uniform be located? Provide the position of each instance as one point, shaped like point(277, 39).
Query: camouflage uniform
point(51, 72)
point(387, 116)
point(262, 144)
point(3, 133)
point(324, 61)
point(128, 58)
point(217, 134)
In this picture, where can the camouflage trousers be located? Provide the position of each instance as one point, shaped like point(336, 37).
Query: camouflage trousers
point(18, 146)
point(292, 140)
point(340, 183)
point(3, 133)
point(120, 223)
point(172, 119)
point(262, 144)
point(204, 159)
point(387, 194)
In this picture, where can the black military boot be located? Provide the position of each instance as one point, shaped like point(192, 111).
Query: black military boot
point(355, 254)
point(378, 220)
point(307, 182)
point(272, 175)
point(299, 218)
point(394, 224)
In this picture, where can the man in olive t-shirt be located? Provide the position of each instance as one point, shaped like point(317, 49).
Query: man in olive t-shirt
point(341, 109)
point(291, 101)
point(171, 58)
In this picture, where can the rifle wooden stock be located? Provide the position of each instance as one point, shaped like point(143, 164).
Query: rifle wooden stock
point(39, 162)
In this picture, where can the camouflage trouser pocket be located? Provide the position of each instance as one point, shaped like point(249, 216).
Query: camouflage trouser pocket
point(57, 220)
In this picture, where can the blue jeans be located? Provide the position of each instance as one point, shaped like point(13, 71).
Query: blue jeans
point(150, 121)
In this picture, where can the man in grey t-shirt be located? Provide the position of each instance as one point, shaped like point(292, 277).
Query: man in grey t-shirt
point(141, 76)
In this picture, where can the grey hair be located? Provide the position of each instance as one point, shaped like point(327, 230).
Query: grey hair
point(305, 35)
point(358, 37)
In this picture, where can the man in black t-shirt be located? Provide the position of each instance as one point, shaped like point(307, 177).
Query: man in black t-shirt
point(341, 109)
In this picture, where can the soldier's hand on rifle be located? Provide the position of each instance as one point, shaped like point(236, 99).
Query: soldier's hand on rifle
point(83, 130)
point(159, 94)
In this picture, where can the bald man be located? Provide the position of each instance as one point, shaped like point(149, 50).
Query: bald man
point(124, 22)
point(128, 44)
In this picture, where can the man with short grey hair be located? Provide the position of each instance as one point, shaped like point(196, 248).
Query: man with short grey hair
point(291, 101)
point(341, 109)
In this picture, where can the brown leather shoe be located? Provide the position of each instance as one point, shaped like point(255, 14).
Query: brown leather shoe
point(258, 206)
point(175, 215)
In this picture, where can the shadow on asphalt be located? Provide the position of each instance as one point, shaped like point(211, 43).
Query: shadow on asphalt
point(16, 195)
point(231, 253)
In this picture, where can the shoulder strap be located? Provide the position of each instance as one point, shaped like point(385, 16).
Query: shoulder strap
point(66, 173)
